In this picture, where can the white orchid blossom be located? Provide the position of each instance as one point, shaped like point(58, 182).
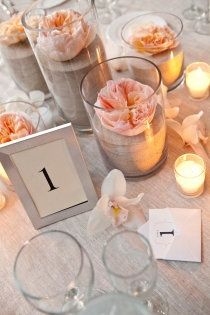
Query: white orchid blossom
point(35, 97)
point(192, 132)
point(113, 208)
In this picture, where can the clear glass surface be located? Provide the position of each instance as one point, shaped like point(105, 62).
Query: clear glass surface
point(107, 10)
point(193, 12)
point(54, 273)
point(138, 154)
point(115, 304)
point(169, 59)
point(132, 269)
point(203, 25)
point(66, 44)
point(15, 48)
point(21, 109)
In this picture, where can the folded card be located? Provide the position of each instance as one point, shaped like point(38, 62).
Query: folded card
point(174, 233)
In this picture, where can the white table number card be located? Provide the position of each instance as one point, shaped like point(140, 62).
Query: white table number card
point(49, 175)
point(175, 234)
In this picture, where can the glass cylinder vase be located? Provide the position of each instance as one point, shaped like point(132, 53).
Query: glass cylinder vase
point(66, 43)
point(157, 37)
point(127, 114)
point(19, 119)
point(18, 55)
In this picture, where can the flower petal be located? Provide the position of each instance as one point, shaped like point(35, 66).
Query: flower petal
point(171, 112)
point(135, 219)
point(190, 134)
point(98, 221)
point(191, 119)
point(114, 184)
point(37, 97)
point(125, 202)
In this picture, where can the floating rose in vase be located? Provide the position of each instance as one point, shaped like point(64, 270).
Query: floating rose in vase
point(18, 55)
point(127, 115)
point(156, 36)
point(14, 126)
point(67, 46)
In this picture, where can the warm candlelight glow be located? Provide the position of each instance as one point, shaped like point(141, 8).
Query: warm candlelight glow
point(198, 81)
point(4, 176)
point(190, 174)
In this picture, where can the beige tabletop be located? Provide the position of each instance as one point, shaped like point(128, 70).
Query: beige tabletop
point(185, 285)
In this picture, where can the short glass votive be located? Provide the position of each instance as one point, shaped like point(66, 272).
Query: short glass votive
point(198, 80)
point(190, 172)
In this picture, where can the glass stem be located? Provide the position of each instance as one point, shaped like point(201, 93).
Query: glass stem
point(208, 12)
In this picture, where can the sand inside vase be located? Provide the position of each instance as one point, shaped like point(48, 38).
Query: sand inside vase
point(170, 63)
point(136, 155)
point(63, 79)
point(23, 67)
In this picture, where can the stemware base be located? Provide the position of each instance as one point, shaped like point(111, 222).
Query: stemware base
point(193, 13)
point(202, 27)
point(157, 304)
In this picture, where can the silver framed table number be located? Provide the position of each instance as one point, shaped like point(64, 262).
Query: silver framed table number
point(49, 175)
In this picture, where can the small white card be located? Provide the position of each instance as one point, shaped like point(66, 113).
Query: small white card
point(174, 233)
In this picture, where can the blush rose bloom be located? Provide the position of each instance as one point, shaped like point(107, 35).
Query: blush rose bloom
point(153, 39)
point(128, 106)
point(14, 126)
point(64, 35)
point(12, 31)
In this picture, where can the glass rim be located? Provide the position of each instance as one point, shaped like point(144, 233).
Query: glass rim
point(149, 13)
point(118, 275)
point(116, 58)
point(25, 102)
point(193, 155)
point(28, 242)
point(197, 64)
point(37, 29)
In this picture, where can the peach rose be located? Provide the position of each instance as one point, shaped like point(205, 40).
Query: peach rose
point(12, 31)
point(14, 126)
point(153, 39)
point(64, 35)
point(128, 106)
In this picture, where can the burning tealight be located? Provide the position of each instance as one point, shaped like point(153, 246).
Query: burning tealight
point(198, 80)
point(190, 174)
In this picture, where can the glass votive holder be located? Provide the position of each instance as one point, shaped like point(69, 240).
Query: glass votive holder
point(190, 172)
point(198, 80)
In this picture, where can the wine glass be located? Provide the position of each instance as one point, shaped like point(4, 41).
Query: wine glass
point(193, 12)
point(203, 25)
point(107, 10)
point(115, 304)
point(130, 264)
point(54, 273)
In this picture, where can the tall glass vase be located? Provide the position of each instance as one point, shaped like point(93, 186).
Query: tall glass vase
point(18, 56)
point(66, 43)
point(127, 114)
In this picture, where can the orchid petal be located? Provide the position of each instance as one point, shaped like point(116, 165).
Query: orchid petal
point(202, 137)
point(136, 218)
point(192, 119)
point(37, 97)
point(171, 112)
point(190, 134)
point(125, 202)
point(114, 184)
point(98, 221)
